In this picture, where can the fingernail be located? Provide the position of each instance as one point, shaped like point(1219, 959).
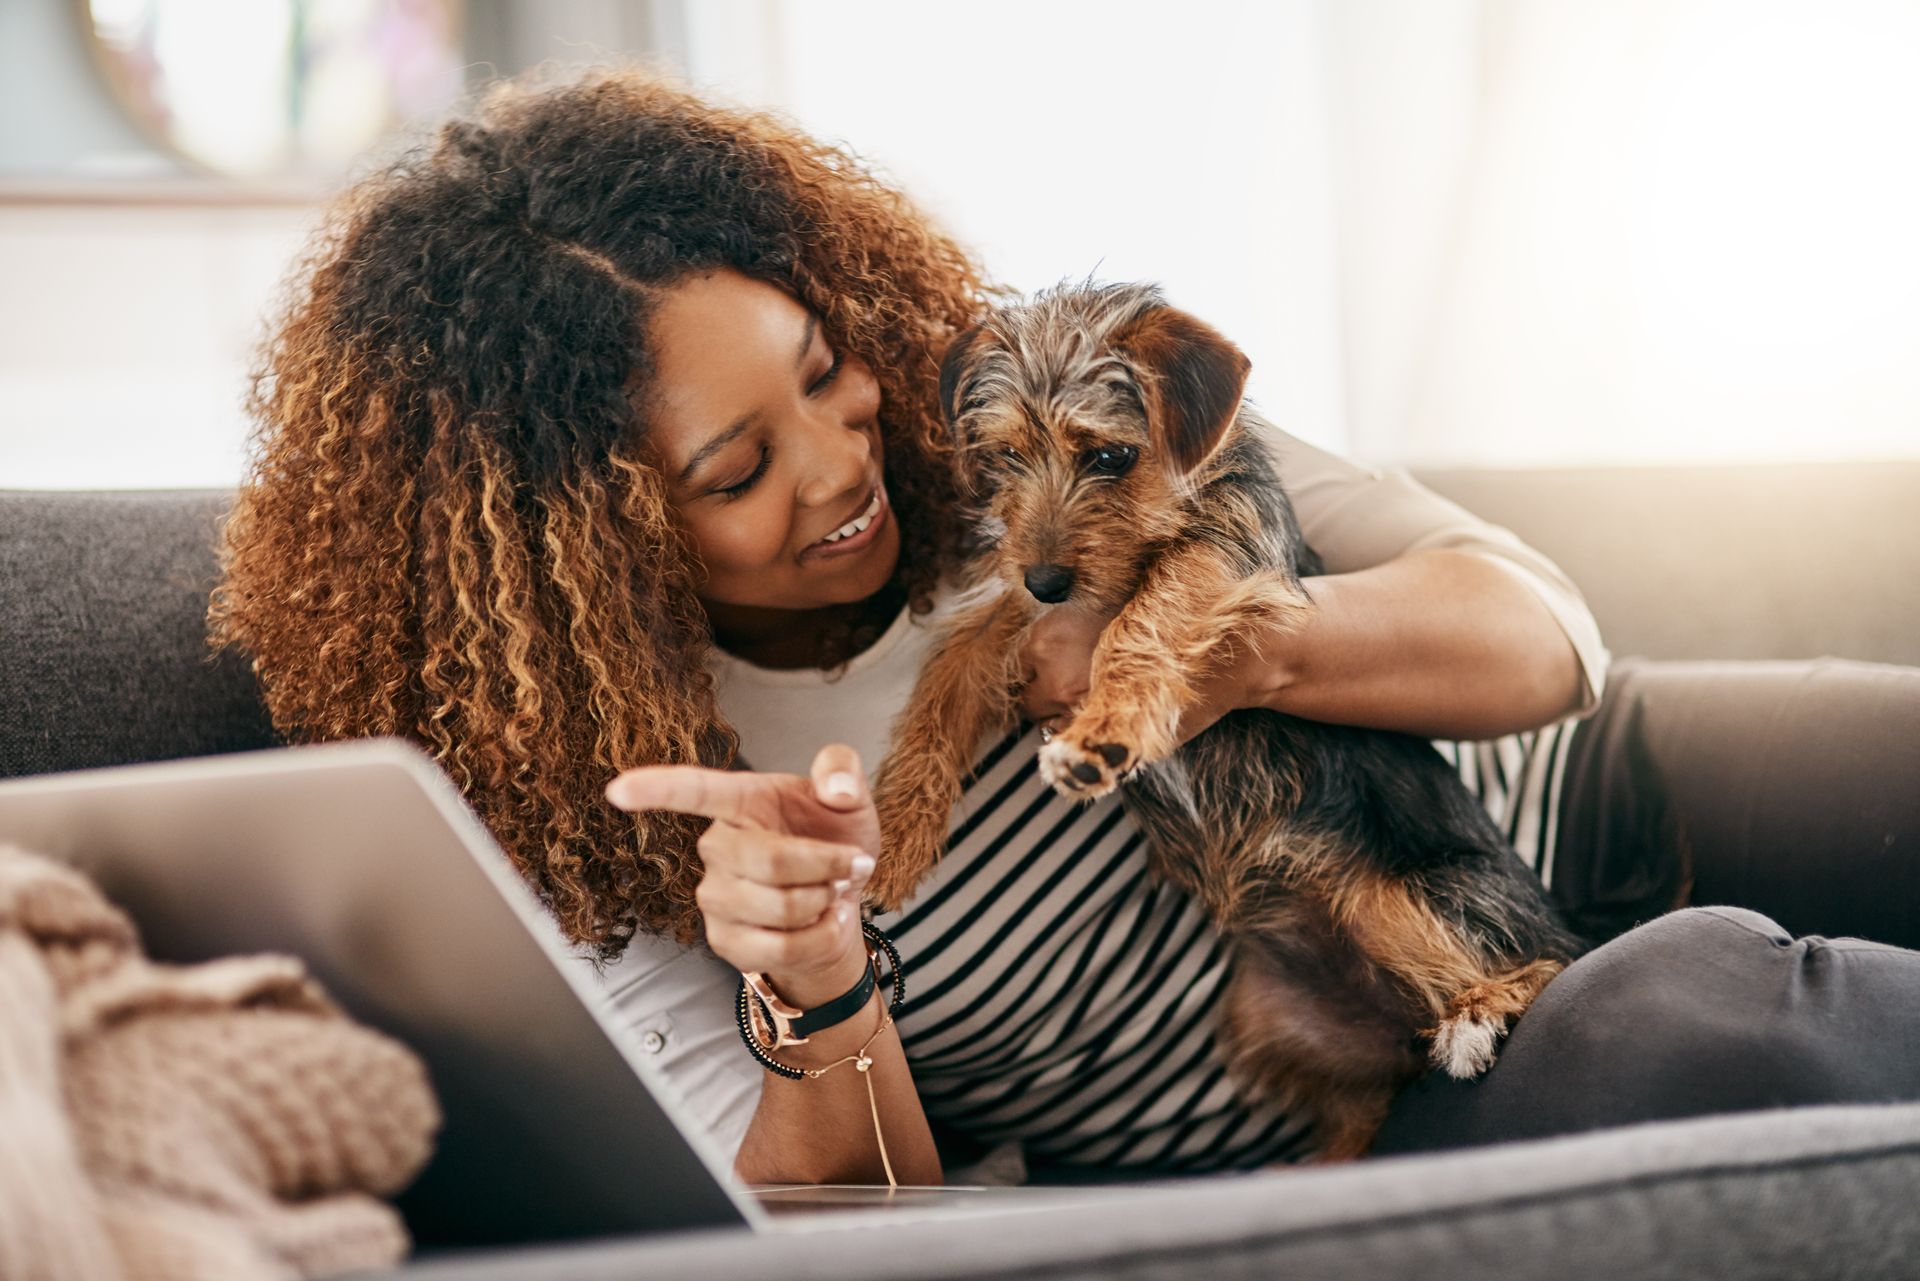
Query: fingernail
point(840, 787)
point(862, 866)
point(841, 887)
point(844, 912)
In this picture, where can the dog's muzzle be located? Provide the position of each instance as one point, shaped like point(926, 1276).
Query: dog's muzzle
point(1050, 584)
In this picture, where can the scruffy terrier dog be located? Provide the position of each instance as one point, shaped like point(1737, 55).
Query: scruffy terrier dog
point(1378, 919)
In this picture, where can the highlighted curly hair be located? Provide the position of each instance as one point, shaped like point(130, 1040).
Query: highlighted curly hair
point(450, 533)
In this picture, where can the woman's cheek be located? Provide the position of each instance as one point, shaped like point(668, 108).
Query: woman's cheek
point(747, 537)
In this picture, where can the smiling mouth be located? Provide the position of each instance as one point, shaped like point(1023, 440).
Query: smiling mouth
point(858, 525)
point(856, 532)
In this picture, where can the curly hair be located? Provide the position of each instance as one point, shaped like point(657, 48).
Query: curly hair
point(450, 531)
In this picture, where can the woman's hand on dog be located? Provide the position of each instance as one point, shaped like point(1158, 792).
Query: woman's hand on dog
point(1059, 670)
point(785, 860)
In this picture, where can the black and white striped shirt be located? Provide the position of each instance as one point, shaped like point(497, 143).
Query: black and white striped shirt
point(1059, 999)
point(1063, 999)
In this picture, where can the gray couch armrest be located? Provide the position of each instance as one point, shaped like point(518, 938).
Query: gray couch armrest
point(1813, 1192)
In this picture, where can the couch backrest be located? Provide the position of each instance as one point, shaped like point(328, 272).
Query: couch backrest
point(1766, 561)
point(103, 652)
point(103, 658)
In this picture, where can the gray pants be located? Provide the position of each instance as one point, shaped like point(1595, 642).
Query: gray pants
point(1788, 794)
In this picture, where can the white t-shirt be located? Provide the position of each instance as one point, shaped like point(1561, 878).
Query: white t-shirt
point(1058, 999)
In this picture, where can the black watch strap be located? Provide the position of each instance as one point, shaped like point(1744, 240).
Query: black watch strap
point(840, 1008)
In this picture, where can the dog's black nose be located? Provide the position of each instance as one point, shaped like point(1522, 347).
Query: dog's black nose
point(1050, 583)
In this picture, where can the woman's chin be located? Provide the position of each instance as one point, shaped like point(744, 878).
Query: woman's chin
point(864, 576)
point(859, 579)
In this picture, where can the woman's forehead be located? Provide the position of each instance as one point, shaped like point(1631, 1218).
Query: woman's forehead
point(720, 342)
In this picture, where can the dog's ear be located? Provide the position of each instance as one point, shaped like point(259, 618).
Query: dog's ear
point(1191, 379)
point(956, 370)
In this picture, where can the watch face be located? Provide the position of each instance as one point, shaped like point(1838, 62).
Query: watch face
point(763, 1031)
point(767, 1015)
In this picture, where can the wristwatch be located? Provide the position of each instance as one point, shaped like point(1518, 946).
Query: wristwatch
point(767, 1022)
point(792, 1026)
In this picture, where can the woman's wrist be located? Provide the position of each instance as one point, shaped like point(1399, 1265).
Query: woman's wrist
point(809, 988)
point(810, 991)
point(1264, 667)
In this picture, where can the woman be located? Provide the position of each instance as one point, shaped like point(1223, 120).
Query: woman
point(602, 441)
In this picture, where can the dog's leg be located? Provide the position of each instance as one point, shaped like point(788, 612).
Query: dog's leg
point(1468, 997)
point(965, 691)
point(1467, 1038)
point(1190, 609)
point(1295, 1029)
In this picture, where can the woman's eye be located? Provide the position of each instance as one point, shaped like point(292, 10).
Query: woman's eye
point(825, 380)
point(1110, 460)
point(760, 469)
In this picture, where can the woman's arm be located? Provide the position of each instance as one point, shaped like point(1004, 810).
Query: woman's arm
point(822, 1130)
point(1362, 520)
point(1440, 643)
point(1443, 643)
point(780, 858)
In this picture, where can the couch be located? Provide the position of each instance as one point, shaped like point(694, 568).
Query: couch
point(102, 661)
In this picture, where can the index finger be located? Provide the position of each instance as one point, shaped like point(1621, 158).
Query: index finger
point(690, 789)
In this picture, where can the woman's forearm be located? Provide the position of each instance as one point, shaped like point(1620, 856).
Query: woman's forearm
point(821, 1130)
point(1440, 643)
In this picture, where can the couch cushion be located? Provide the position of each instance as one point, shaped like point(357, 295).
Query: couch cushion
point(103, 651)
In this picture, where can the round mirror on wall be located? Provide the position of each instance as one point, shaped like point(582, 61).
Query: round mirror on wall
point(259, 88)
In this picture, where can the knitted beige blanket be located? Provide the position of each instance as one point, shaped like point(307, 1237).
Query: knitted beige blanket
point(211, 1121)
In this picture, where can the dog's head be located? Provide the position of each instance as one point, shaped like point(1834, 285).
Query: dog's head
point(1085, 420)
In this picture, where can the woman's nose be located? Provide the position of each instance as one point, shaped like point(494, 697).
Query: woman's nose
point(842, 463)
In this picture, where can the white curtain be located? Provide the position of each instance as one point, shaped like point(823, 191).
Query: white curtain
point(1471, 232)
point(1640, 230)
point(1145, 141)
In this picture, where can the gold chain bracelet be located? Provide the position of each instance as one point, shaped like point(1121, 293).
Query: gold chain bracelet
point(863, 1063)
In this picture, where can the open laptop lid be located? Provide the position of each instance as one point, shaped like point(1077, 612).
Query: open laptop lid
point(362, 859)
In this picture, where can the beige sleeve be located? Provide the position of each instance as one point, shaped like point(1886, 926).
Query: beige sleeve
point(1356, 517)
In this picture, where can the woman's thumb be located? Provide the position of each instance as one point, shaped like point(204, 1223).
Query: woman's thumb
point(838, 780)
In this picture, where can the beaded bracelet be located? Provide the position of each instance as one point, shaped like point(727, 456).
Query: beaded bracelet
point(747, 1000)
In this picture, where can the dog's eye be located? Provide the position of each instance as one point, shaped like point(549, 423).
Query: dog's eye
point(1006, 458)
point(1110, 460)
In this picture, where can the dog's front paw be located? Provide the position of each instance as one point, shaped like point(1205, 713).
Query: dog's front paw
point(1084, 770)
point(1464, 1045)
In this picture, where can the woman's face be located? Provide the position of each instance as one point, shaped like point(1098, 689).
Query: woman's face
point(770, 446)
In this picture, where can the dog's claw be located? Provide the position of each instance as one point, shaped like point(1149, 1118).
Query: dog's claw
point(1073, 771)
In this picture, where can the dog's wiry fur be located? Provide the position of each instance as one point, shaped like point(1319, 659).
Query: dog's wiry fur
point(1379, 920)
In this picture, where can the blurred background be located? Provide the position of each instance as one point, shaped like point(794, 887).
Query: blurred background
point(1450, 233)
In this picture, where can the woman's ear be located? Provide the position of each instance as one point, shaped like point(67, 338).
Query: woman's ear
point(1191, 378)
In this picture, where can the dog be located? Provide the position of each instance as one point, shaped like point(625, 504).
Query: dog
point(1378, 921)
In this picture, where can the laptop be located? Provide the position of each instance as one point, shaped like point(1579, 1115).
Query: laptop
point(363, 859)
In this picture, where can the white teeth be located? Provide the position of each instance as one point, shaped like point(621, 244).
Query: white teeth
point(858, 524)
